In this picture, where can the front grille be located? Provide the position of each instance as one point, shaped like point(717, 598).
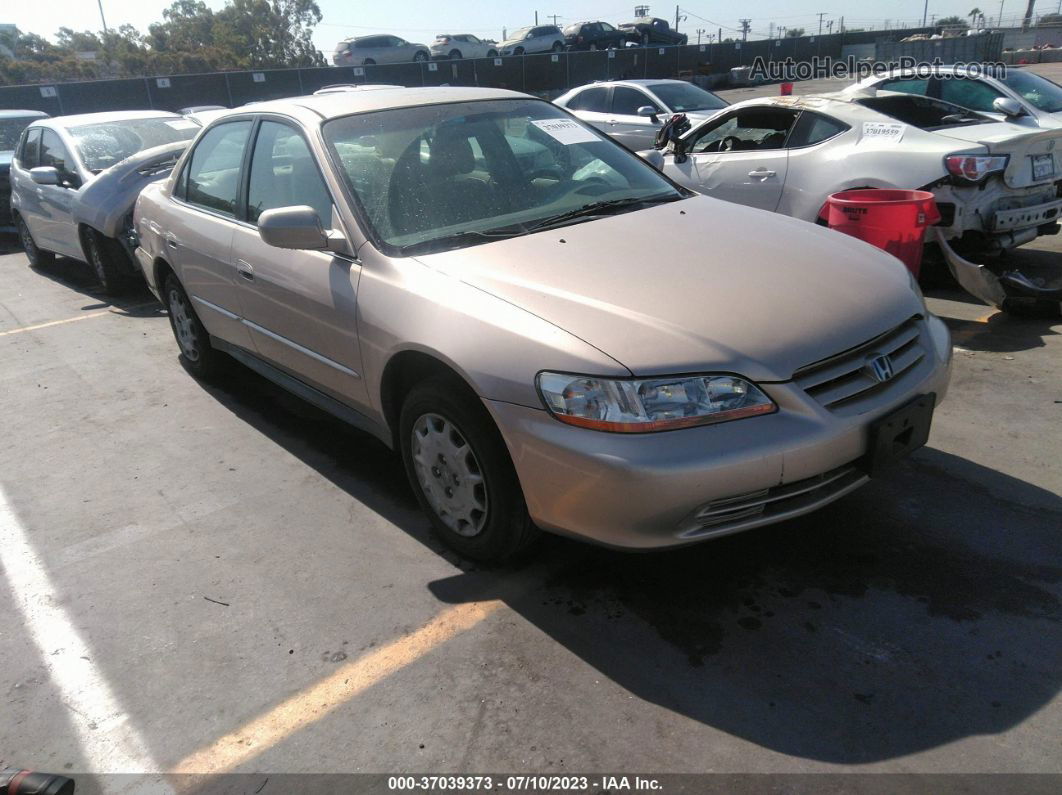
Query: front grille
point(773, 504)
point(846, 382)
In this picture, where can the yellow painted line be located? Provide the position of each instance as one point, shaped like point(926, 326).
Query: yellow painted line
point(325, 696)
point(55, 323)
point(50, 323)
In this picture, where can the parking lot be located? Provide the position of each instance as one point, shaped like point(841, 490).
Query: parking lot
point(214, 579)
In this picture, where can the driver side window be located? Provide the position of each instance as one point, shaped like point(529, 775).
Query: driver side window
point(750, 129)
point(972, 94)
point(54, 154)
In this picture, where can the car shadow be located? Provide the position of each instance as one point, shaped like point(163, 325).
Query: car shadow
point(915, 612)
point(1002, 333)
point(134, 300)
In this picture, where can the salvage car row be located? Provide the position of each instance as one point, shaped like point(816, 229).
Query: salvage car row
point(476, 278)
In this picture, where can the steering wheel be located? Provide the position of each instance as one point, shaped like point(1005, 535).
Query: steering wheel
point(729, 144)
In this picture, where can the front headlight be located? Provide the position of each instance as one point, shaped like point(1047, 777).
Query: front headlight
point(641, 405)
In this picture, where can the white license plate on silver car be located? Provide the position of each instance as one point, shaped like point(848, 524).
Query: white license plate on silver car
point(1043, 166)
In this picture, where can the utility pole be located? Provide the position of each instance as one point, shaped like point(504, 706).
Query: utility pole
point(829, 26)
point(999, 24)
point(925, 10)
point(536, 17)
point(678, 18)
point(554, 17)
point(102, 18)
point(700, 32)
point(822, 14)
point(745, 25)
point(770, 30)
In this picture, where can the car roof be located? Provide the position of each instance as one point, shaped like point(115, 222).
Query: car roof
point(344, 103)
point(23, 114)
point(110, 116)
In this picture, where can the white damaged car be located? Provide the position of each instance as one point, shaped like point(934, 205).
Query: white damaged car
point(997, 184)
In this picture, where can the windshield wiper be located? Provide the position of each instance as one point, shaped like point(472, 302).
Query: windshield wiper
point(598, 208)
point(459, 239)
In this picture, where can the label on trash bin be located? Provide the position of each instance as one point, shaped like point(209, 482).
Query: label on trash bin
point(884, 131)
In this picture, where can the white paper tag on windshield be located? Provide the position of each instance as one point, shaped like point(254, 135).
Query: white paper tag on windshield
point(884, 131)
point(181, 124)
point(565, 130)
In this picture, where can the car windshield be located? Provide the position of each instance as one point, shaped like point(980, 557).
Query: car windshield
point(436, 177)
point(684, 97)
point(11, 129)
point(519, 34)
point(1036, 90)
point(103, 144)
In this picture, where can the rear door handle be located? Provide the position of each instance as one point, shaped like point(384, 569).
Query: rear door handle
point(171, 241)
point(245, 270)
point(763, 172)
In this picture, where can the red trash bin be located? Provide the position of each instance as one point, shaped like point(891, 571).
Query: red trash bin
point(892, 220)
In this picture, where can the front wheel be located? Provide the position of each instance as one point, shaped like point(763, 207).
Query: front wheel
point(460, 470)
point(455, 55)
point(420, 57)
point(492, 53)
point(368, 62)
point(518, 51)
point(36, 256)
point(557, 47)
point(103, 255)
point(197, 354)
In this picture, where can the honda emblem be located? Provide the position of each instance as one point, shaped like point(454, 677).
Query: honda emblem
point(880, 368)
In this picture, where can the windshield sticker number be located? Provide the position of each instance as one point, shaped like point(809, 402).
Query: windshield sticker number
point(884, 131)
point(182, 124)
point(566, 131)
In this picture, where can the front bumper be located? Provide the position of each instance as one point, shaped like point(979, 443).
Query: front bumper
point(642, 491)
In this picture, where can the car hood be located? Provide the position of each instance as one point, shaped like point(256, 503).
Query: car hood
point(697, 285)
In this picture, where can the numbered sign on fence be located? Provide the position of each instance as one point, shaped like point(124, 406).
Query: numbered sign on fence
point(258, 77)
point(162, 82)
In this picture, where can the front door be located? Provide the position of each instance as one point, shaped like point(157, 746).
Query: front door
point(626, 126)
point(740, 157)
point(300, 306)
point(57, 231)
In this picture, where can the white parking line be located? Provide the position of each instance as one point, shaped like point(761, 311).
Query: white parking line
point(109, 743)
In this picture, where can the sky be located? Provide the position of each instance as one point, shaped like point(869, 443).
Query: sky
point(420, 20)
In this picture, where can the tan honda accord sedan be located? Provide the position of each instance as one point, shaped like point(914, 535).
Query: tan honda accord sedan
point(552, 334)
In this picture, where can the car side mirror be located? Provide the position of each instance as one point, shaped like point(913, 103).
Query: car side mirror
point(648, 111)
point(1010, 108)
point(678, 148)
point(45, 175)
point(298, 228)
point(653, 157)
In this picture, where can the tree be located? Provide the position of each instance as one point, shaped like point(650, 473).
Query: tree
point(1051, 19)
point(794, 33)
point(952, 22)
point(1028, 14)
point(976, 17)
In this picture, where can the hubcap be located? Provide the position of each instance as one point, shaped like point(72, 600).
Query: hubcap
point(27, 239)
point(97, 260)
point(449, 474)
point(183, 327)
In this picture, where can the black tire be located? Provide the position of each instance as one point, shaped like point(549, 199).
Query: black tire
point(518, 51)
point(1031, 308)
point(455, 55)
point(197, 354)
point(593, 47)
point(506, 527)
point(492, 53)
point(420, 56)
point(557, 47)
point(368, 62)
point(35, 255)
point(107, 260)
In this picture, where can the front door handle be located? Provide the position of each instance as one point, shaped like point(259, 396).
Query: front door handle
point(245, 270)
point(762, 172)
point(171, 241)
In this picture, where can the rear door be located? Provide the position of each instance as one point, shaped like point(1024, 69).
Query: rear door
point(625, 125)
point(740, 156)
point(300, 305)
point(201, 225)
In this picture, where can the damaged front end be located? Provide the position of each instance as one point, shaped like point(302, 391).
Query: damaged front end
point(994, 289)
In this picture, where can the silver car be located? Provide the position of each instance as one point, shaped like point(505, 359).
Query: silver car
point(369, 50)
point(552, 333)
point(633, 111)
point(57, 205)
point(533, 39)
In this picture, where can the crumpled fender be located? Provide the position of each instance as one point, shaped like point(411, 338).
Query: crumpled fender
point(105, 201)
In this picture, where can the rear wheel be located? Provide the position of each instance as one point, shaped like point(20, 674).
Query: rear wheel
point(106, 258)
point(557, 47)
point(36, 256)
point(197, 354)
point(455, 55)
point(492, 53)
point(420, 56)
point(518, 51)
point(368, 62)
point(460, 470)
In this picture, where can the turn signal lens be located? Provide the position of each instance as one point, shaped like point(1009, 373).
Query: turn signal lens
point(974, 168)
point(655, 404)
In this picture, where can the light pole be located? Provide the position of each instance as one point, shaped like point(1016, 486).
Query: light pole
point(925, 13)
point(102, 18)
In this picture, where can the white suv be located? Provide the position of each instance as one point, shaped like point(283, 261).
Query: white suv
point(538, 38)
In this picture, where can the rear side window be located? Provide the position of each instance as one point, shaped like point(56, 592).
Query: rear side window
point(594, 100)
point(811, 128)
point(29, 155)
point(626, 101)
point(285, 174)
point(213, 180)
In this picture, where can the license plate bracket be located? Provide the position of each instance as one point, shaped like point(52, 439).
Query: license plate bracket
point(896, 435)
point(1043, 166)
